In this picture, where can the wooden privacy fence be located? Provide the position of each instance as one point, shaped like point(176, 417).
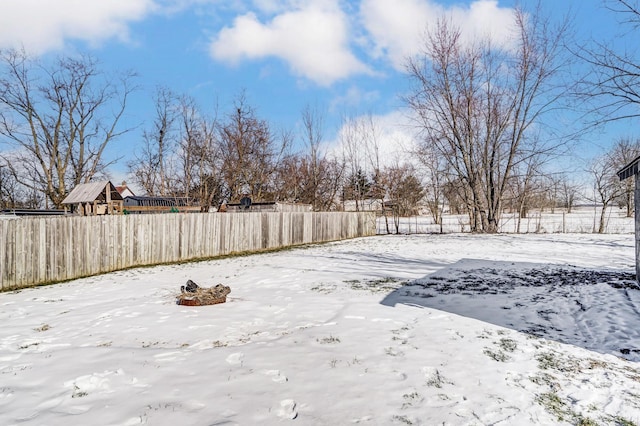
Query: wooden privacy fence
point(49, 249)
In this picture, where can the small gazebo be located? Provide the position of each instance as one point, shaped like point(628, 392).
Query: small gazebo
point(633, 169)
point(95, 198)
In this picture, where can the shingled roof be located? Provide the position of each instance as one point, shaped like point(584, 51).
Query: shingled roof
point(90, 192)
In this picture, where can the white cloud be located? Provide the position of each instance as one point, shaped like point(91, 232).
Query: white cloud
point(353, 97)
point(397, 137)
point(398, 28)
point(40, 26)
point(393, 133)
point(484, 18)
point(313, 41)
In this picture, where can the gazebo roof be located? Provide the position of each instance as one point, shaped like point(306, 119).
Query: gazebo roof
point(90, 192)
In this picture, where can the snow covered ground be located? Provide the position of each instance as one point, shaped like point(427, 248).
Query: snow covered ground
point(582, 219)
point(419, 329)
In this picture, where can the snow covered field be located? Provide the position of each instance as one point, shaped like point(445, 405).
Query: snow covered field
point(419, 329)
point(582, 219)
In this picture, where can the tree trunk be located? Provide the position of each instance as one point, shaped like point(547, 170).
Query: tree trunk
point(602, 218)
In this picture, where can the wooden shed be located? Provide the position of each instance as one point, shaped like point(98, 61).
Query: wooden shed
point(633, 169)
point(95, 198)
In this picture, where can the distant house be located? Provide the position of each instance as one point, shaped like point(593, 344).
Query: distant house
point(146, 204)
point(124, 190)
point(368, 204)
point(270, 206)
point(94, 198)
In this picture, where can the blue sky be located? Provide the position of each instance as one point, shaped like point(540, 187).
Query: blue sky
point(343, 56)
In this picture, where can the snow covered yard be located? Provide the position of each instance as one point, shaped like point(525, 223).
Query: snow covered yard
point(420, 329)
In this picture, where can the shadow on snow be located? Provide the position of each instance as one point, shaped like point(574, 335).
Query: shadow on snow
point(598, 310)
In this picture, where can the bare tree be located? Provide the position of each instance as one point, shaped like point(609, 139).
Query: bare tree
point(303, 181)
point(12, 194)
point(552, 185)
point(181, 155)
point(371, 136)
point(311, 176)
point(360, 141)
point(199, 156)
point(477, 104)
point(455, 195)
point(294, 180)
point(356, 187)
point(331, 184)
point(612, 87)
point(569, 193)
point(251, 153)
point(152, 167)
point(404, 189)
point(623, 152)
point(313, 124)
point(59, 118)
point(606, 186)
point(525, 183)
point(436, 179)
point(353, 154)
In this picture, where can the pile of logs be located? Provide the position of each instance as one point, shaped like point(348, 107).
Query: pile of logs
point(194, 295)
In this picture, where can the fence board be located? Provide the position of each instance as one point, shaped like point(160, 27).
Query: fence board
point(41, 250)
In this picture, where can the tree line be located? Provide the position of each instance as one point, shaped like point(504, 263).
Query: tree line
point(486, 121)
